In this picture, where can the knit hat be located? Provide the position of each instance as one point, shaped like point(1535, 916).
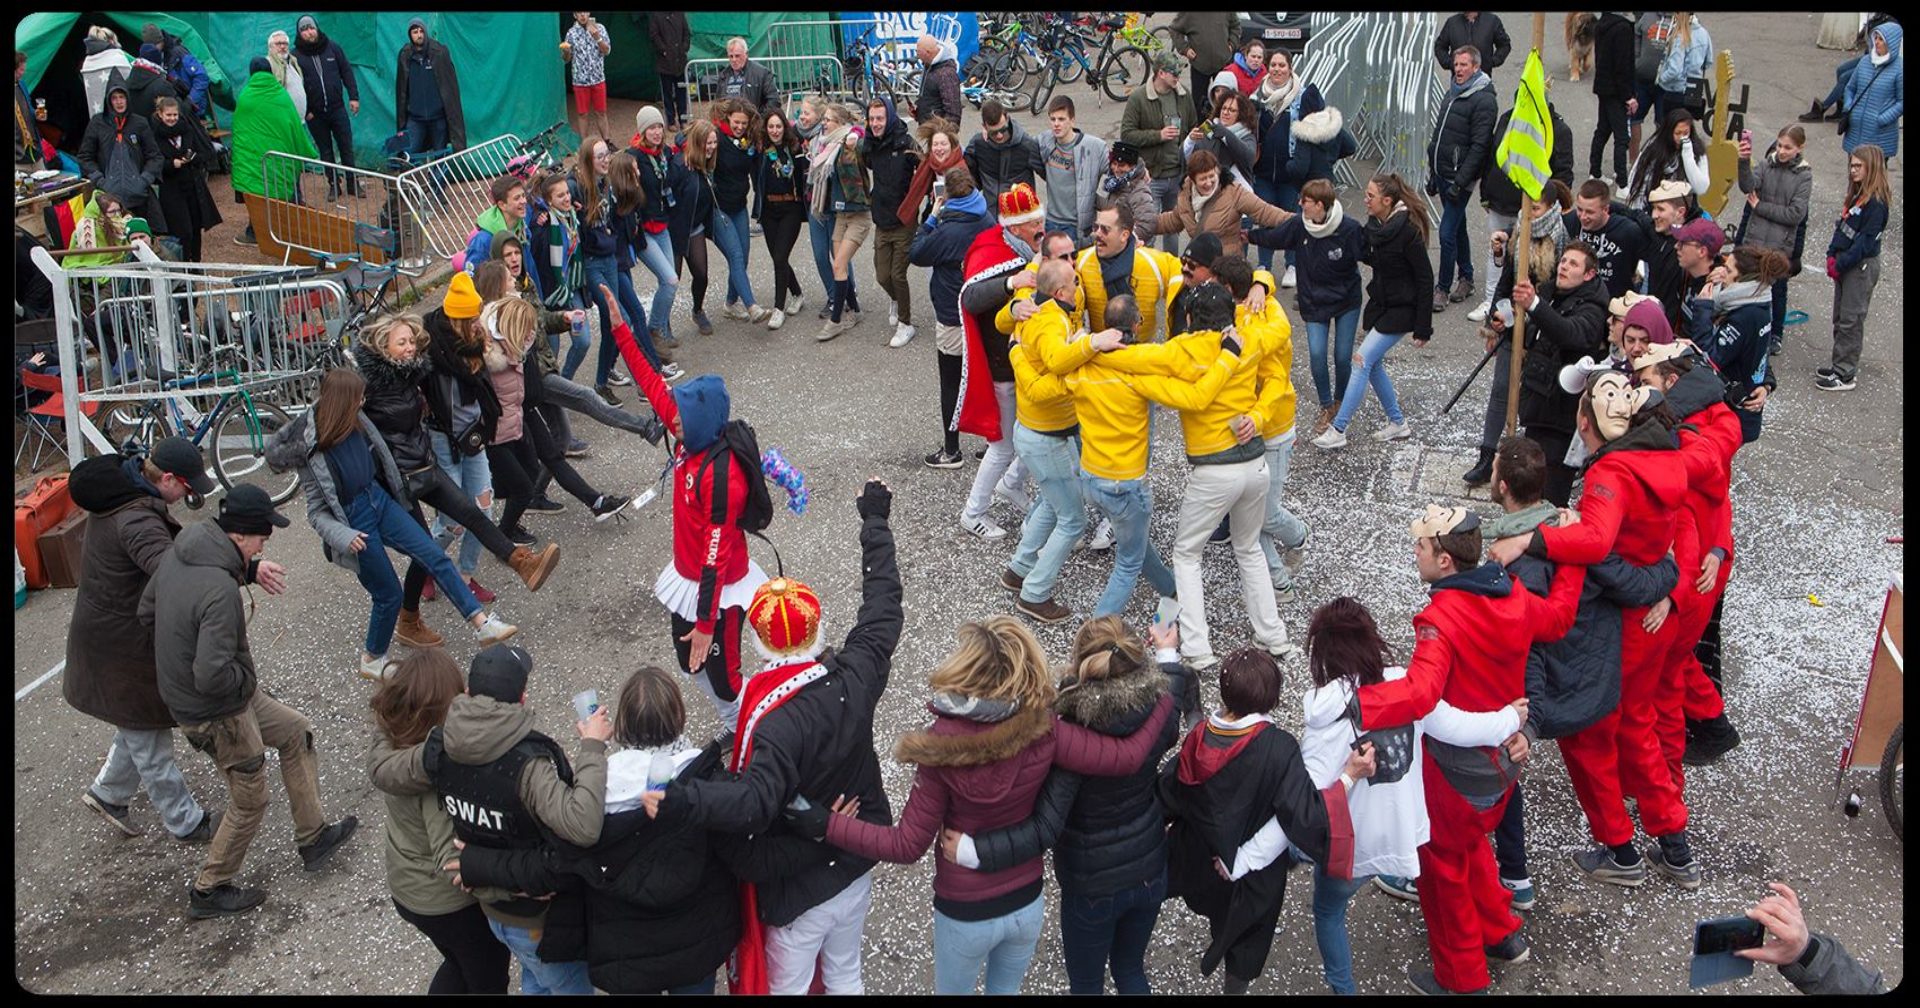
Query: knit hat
point(1615, 400)
point(306, 21)
point(1204, 250)
point(1123, 152)
point(1439, 521)
point(1649, 316)
point(1618, 307)
point(1671, 189)
point(1223, 79)
point(1019, 204)
point(785, 616)
point(500, 672)
point(1703, 232)
point(139, 225)
point(462, 301)
point(648, 116)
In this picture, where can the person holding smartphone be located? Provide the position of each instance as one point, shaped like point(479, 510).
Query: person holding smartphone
point(1814, 962)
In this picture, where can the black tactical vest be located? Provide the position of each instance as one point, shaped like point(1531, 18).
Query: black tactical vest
point(484, 801)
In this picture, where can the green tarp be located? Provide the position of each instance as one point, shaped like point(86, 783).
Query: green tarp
point(630, 70)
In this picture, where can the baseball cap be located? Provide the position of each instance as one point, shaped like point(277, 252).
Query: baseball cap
point(1701, 232)
point(1204, 250)
point(500, 672)
point(179, 456)
point(1175, 64)
point(247, 510)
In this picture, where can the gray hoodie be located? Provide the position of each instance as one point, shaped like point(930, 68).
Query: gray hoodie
point(1073, 177)
point(193, 608)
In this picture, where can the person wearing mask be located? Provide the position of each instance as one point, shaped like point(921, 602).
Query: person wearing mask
point(411, 703)
point(1688, 54)
point(1002, 153)
point(837, 182)
point(1853, 263)
point(662, 173)
point(506, 786)
point(1208, 40)
point(1396, 307)
point(891, 155)
point(1875, 97)
point(1778, 192)
point(333, 96)
point(110, 674)
point(264, 119)
point(184, 69)
point(426, 94)
point(1283, 100)
point(1613, 89)
point(734, 156)
point(1328, 295)
point(1212, 203)
point(1126, 181)
point(286, 70)
point(185, 201)
point(119, 155)
point(1457, 155)
point(746, 80)
point(584, 48)
point(1501, 198)
point(671, 38)
point(1479, 29)
point(1155, 119)
point(992, 272)
point(204, 665)
point(780, 205)
point(941, 243)
point(1074, 160)
point(939, 96)
point(1676, 153)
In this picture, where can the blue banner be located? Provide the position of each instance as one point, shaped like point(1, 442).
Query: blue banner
point(896, 31)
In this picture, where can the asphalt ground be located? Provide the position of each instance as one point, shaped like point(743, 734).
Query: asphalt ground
point(1816, 496)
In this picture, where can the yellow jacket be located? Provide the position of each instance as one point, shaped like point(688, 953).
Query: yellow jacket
point(1003, 319)
point(1113, 408)
point(1274, 408)
point(1208, 430)
point(1153, 272)
point(1042, 402)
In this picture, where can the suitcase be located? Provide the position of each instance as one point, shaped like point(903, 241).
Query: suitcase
point(60, 550)
point(44, 507)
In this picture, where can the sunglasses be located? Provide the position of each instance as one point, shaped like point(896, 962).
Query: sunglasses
point(1106, 228)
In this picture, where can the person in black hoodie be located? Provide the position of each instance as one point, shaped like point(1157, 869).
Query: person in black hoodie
point(1002, 153)
point(941, 243)
point(119, 154)
point(1111, 853)
point(332, 96)
point(890, 153)
point(1236, 770)
point(1613, 86)
point(1563, 325)
point(185, 201)
point(426, 94)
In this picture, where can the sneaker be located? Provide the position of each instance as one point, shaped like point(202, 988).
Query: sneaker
point(754, 229)
point(981, 526)
point(493, 630)
point(616, 377)
point(1707, 741)
point(1824, 372)
point(1330, 439)
point(115, 815)
point(1397, 887)
point(1288, 279)
point(1599, 864)
point(245, 237)
point(1015, 499)
point(778, 319)
point(1011, 581)
point(826, 312)
point(664, 341)
point(203, 833)
point(542, 502)
point(606, 395)
point(671, 372)
point(1283, 594)
point(1221, 532)
point(1439, 301)
point(609, 505)
point(480, 594)
point(225, 900)
point(893, 314)
point(1686, 875)
point(979, 453)
point(1425, 982)
point(736, 310)
point(902, 335)
point(832, 329)
point(944, 459)
point(1296, 556)
point(1284, 652)
point(1200, 662)
point(1512, 949)
point(1833, 383)
point(798, 302)
point(758, 314)
point(704, 323)
point(330, 838)
point(1462, 290)
point(1102, 538)
point(574, 449)
point(1479, 313)
point(374, 668)
point(1043, 611)
point(1522, 890)
point(1393, 432)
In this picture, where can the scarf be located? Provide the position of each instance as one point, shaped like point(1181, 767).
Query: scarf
point(1550, 228)
point(1522, 521)
point(1200, 202)
point(808, 132)
point(1024, 250)
point(1327, 227)
point(1111, 183)
point(282, 66)
point(1276, 98)
point(820, 168)
point(319, 42)
point(1741, 293)
point(1474, 83)
point(922, 184)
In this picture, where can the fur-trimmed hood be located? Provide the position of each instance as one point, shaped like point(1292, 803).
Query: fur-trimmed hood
point(386, 375)
point(1117, 705)
point(958, 742)
point(1319, 127)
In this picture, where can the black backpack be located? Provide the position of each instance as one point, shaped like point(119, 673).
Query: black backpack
point(738, 437)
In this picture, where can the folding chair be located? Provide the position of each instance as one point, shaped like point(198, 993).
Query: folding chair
point(41, 418)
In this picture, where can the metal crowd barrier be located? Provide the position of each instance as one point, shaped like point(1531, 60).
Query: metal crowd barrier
point(1378, 70)
point(810, 73)
point(445, 196)
point(149, 323)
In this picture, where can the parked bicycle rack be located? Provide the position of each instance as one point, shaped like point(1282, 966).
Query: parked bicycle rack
point(789, 72)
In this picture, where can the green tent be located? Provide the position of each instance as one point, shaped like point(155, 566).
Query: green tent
point(488, 49)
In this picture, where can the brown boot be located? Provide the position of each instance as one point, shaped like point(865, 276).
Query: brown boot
point(534, 568)
point(414, 633)
point(1326, 417)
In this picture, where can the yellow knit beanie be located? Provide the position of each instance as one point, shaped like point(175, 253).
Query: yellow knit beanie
point(462, 301)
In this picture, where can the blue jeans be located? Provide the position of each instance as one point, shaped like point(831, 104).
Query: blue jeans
point(636, 318)
point(1373, 371)
point(1284, 195)
point(1004, 945)
point(1455, 248)
point(597, 270)
point(1059, 515)
point(1129, 505)
point(385, 523)
point(657, 256)
point(729, 231)
point(1330, 899)
point(1167, 191)
point(1113, 928)
point(1343, 327)
point(820, 236)
point(472, 474)
point(536, 976)
point(1282, 530)
point(1841, 74)
point(426, 134)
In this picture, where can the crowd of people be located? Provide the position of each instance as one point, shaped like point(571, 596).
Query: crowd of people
point(1591, 618)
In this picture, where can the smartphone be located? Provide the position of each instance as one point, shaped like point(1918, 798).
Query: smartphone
point(1714, 942)
point(939, 189)
point(1168, 612)
point(585, 703)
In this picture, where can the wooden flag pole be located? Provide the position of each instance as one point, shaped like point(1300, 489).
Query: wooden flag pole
point(1521, 242)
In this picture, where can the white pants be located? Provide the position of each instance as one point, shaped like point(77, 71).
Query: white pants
point(1238, 489)
point(830, 934)
point(1001, 459)
point(728, 711)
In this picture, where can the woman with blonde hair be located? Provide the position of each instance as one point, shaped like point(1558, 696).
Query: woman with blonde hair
point(837, 182)
point(979, 767)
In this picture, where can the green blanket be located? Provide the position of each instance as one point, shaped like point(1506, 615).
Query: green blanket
point(264, 120)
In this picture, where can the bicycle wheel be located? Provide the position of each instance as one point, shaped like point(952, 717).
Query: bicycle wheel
point(1891, 790)
point(1071, 58)
point(240, 448)
point(1007, 72)
point(132, 420)
point(1041, 90)
point(1126, 69)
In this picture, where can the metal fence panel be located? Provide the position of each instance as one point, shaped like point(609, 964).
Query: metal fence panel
point(443, 197)
point(816, 72)
point(1378, 70)
point(333, 217)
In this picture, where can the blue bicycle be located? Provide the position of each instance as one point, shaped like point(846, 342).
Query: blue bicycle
point(240, 422)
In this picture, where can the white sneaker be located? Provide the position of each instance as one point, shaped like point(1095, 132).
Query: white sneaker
point(1015, 498)
point(1283, 594)
point(494, 630)
point(779, 319)
point(1331, 438)
point(736, 310)
point(902, 335)
point(1283, 652)
point(375, 668)
point(758, 314)
point(1393, 432)
point(794, 306)
point(893, 314)
point(671, 372)
point(614, 377)
point(1200, 662)
point(832, 329)
point(1288, 279)
point(1102, 538)
point(983, 528)
point(1479, 314)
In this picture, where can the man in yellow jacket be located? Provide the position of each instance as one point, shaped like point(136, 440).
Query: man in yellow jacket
point(1117, 264)
point(1272, 416)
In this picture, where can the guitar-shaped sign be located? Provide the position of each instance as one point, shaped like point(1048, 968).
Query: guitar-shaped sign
point(1723, 151)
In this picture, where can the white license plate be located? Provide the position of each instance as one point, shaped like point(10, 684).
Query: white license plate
point(1281, 33)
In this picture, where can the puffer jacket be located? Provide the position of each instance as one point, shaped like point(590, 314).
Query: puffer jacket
point(509, 380)
point(1875, 97)
point(1321, 140)
point(295, 447)
point(110, 669)
point(1779, 220)
point(396, 405)
point(943, 247)
point(1106, 833)
point(1463, 137)
point(1564, 327)
point(192, 606)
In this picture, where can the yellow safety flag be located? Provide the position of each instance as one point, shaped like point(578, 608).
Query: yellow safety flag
point(1526, 149)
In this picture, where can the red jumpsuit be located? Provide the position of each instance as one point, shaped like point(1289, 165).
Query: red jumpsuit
point(1470, 649)
point(1703, 524)
point(1714, 512)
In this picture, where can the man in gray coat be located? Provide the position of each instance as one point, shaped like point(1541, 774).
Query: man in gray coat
point(205, 666)
point(1208, 39)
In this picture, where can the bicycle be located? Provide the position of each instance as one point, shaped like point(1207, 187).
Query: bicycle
point(867, 68)
point(538, 154)
point(240, 432)
point(1115, 74)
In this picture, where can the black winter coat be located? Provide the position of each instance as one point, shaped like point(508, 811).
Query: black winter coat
point(893, 159)
point(1498, 192)
point(327, 73)
point(1399, 294)
point(1613, 42)
point(1463, 139)
point(1321, 140)
point(734, 165)
point(1329, 268)
point(444, 78)
point(819, 742)
point(120, 155)
point(1564, 327)
point(185, 200)
point(454, 380)
point(397, 406)
point(1484, 33)
point(944, 249)
point(1107, 833)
